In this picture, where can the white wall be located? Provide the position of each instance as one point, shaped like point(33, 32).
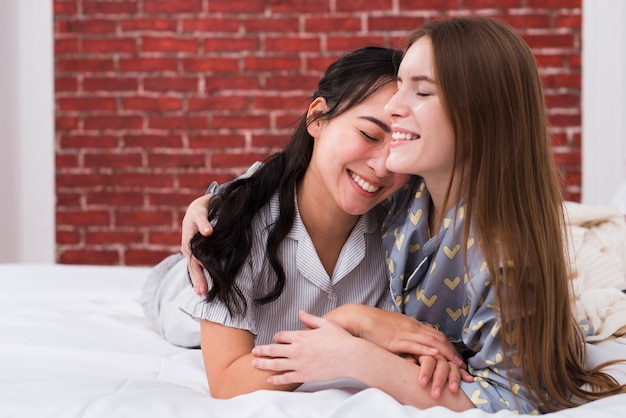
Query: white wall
point(604, 100)
point(27, 197)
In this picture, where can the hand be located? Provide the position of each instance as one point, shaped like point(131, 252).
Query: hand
point(304, 356)
point(196, 220)
point(395, 332)
point(441, 371)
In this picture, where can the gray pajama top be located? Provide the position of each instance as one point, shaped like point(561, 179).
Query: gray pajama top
point(429, 282)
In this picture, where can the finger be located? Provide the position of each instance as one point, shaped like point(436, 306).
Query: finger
point(310, 320)
point(427, 367)
point(454, 378)
point(440, 376)
point(196, 274)
point(466, 376)
point(284, 378)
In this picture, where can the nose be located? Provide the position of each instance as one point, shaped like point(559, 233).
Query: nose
point(378, 159)
point(396, 106)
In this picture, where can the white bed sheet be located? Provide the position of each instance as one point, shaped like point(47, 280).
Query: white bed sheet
point(74, 343)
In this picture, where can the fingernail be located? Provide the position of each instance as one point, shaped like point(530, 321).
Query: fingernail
point(459, 360)
point(437, 392)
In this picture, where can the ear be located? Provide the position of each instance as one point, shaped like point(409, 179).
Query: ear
point(316, 107)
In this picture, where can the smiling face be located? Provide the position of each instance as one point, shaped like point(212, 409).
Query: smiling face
point(423, 138)
point(348, 166)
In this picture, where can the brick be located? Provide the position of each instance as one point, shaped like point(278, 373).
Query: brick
point(112, 237)
point(292, 44)
point(65, 123)
point(490, 4)
point(277, 102)
point(242, 122)
point(132, 179)
point(425, 5)
point(148, 64)
point(148, 24)
point(169, 44)
point(177, 122)
point(83, 217)
point(139, 257)
point(86, 103)
point(87, 179)
point(115, 198)
point(299, 6)
point(218, 103)
point(216, 64)
point(102, 7)
point(67, 142)
point(68, 199)
point(88, 26)
point(332, 24)
point(113, 122)
point(296, 82)
point(236, 160)
point(211, 25)
point(270, 63)
point(116, 46)
point(394, 23)
point(110, 83)
point(200, 181)
point(67, 237)
point(270, 141)
point(89, 256)
point(216, 141)
point(65, 84)
point(273, 24)
point(231, 44)
point(231, 82)
point(143, 217)
point(348, 43)
point(554, 4)
point(84, 65)
point(173, 7)
point(66, 160)
point(360, 5)
point(65, 46)
point(527, 20)
point(172, 238)
point(116, 160)
point(152, 141)
point(176, 160)
point(554, 40)
point(172, 198)
point(240, 6)
point(167, 84)
point(64, 8)
point(151, 104)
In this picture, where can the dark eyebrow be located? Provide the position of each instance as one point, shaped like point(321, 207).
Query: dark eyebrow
point(378, 122)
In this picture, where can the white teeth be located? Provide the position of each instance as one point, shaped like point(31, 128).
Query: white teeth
point(364, 184)
point(402, 136)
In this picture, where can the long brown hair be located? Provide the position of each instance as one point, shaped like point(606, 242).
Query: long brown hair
point(492, 92)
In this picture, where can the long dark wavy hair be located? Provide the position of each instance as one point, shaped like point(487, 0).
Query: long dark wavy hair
point(347, 82)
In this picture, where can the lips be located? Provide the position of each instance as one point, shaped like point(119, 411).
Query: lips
point(404, 136)
point(363, 184)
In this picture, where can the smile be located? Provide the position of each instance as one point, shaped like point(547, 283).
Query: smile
point(368, 187)
point(404, 136)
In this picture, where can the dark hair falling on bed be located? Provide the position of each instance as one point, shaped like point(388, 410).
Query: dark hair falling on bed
point(347, 82)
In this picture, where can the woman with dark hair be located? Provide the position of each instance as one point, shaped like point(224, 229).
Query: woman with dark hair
point(302, 232)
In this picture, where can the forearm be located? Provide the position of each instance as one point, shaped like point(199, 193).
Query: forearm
point(378, 368)
point(241, 377)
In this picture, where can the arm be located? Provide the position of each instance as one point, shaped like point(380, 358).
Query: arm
point(227, 359)
point(329, 352)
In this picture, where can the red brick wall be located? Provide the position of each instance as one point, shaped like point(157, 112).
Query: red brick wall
point(156, 98)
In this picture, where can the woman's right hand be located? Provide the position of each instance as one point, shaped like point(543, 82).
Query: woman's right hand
point(196, 220)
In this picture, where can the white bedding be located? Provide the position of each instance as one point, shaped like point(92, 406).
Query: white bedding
point(74, 343)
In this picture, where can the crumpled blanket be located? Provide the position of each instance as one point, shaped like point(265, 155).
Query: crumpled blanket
point(597, 251)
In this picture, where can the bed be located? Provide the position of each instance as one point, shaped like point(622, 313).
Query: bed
point(74, 343)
